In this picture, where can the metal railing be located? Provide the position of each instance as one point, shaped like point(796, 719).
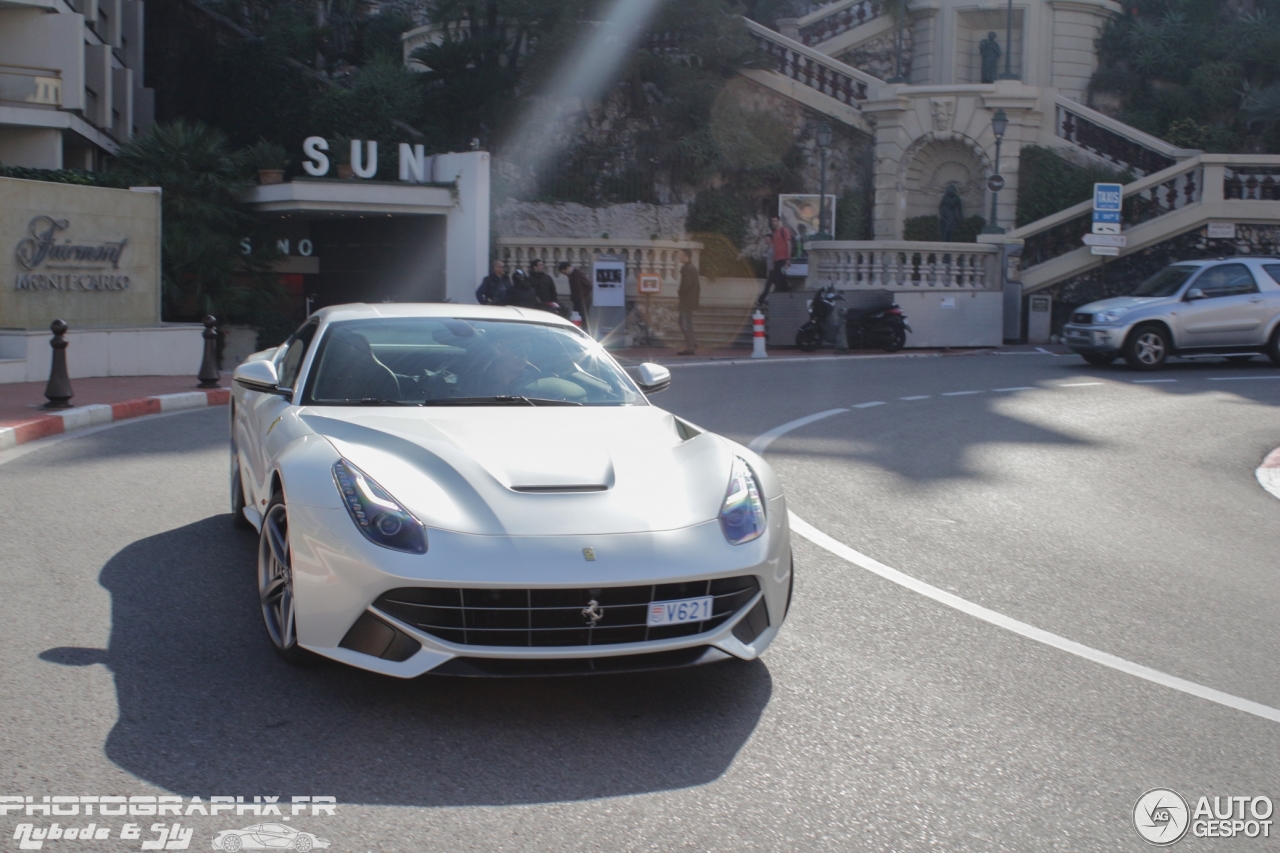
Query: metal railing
point(819, 72)
point(30, 86)
point(901, 265)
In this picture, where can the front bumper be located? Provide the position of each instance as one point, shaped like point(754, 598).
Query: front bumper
point(1100, 339)
point(338, 574)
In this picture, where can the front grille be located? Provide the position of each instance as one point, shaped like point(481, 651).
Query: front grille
point(1082, 318)
point(554, 617)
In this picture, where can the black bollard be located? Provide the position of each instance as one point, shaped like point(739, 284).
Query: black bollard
point(209, 366)
point(58, 391)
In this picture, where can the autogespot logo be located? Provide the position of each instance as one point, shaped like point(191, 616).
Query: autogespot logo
point(1161, 816)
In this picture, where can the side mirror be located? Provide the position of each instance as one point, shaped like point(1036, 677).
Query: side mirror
point(653, 378)
point(259, 376)
point(1194, 293)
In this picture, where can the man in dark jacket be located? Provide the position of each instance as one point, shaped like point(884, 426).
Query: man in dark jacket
point(522, 294)
point(579, 291)
point(543, 285)
point(495, 287)
point(689, 293)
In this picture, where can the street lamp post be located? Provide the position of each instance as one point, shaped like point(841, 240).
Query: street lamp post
point(823, 136)
point(999, 124)
point(1008, 46)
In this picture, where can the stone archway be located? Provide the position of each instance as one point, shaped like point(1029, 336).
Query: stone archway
point(935, 160)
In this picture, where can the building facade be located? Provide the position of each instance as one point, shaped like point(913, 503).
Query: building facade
point(70, 81)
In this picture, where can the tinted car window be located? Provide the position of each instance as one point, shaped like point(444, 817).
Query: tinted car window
point(296, 350)
point(1273, 270)
point(1166, 282)
point(1226, 280)
point(444, 361)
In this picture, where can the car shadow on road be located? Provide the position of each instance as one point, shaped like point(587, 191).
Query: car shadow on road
point(205, 706)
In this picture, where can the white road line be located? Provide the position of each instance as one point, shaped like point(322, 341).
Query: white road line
point(1238, 378)
point(1031, 632)
point(1045, 351)
point(764, 439)
point(916, 397)
point(869, 405)
point(1077, 384)
point(1151, 381)
point(959, 393)
point(1017, 388)
point(761, 443)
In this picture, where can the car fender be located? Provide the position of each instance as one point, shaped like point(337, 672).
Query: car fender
point(305, 471)
point(1154, 320)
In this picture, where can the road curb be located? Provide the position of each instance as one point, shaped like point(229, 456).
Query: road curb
point(70, 420)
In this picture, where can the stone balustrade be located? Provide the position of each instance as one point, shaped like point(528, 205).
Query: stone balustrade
point(902, 265)
point(642, 256)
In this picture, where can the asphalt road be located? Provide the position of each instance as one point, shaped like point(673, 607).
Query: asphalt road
point(1119, 515)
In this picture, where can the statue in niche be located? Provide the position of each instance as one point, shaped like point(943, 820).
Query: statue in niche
point(990, 51)
point(950, 212)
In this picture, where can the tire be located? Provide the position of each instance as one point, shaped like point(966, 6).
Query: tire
point(1273, 347)
point(1239, 359)
point(1147, 348)
point(238, 521)
point(895, 339)
point(232, 843)
point(275, 583)
point(808, 338)
point(1097, 359)
point(303, 843)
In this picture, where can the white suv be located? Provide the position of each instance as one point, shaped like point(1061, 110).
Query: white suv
point(1228, 307)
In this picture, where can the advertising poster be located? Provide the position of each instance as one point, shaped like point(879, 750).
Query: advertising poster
point(609, 283)
point(799, 212)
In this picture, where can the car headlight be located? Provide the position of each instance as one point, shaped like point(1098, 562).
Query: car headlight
point(742, 515)
point(380, 518)
point(1112, 316)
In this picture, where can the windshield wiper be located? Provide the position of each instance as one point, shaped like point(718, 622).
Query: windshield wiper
point(369, 401)
point(498, 400)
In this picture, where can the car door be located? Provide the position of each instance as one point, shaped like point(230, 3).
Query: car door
point(1229, 312)
point(263, 410)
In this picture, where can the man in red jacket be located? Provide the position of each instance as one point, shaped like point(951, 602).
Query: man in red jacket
point(780, 243)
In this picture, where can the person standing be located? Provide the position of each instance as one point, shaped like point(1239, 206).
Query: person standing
point(543, 285)
point(495, 287)
point(780, 244)
point(689, 293)
point(579, 291)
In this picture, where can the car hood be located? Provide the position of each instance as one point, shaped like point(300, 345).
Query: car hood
point(535, 471)
point(1122, 303)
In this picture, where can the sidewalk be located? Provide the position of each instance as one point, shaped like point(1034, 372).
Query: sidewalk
point(98, 400)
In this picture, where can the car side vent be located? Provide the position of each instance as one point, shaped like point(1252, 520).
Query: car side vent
point(371, 636)
point(686, 430)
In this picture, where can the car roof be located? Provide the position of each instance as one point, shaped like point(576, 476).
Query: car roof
point(365, 311)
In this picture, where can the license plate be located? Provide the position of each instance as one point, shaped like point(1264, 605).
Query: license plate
point(679, 612)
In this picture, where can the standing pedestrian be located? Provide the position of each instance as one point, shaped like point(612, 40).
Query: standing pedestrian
point(780, 244)
point(495, 287)
point(543, 285)
point(689, 293)
point(579, 292)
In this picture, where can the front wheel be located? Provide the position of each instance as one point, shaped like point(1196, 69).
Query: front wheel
point(1147, 348)
point(232, 843)
point(895, 338)
point(1097, 359)
point(275, 583)
point(809, 338)
point(1273, 347)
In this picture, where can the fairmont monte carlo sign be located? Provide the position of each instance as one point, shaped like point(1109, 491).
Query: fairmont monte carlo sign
point(52, 261)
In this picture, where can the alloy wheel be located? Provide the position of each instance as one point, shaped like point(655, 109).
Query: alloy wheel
point(1149, 348)
point(275, 579)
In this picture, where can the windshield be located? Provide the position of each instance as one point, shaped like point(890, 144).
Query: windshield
point(445, 361)
point(1166, 282)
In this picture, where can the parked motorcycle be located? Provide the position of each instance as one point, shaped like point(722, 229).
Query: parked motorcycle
point(826, 314)
point(881, 328)
point(884, 329)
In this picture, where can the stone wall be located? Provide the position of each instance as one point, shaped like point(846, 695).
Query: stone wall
point(87, 255)
point(1121, 276)
point(878, 56)
point(633, 221)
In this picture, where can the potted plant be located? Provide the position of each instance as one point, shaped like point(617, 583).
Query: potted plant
point(269, 159)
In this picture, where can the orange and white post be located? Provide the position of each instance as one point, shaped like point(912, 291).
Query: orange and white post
point(757, 336)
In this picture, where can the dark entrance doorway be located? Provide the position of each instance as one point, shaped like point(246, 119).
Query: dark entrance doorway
point(378, 258)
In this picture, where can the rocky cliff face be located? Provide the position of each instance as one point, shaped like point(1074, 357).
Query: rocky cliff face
point(634, 221)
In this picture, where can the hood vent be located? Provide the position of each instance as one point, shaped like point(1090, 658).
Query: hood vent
point(551, 489)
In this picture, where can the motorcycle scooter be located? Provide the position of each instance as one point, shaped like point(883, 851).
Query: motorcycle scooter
point(882, 328)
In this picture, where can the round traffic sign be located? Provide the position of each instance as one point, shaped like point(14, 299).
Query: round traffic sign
point(995, 183)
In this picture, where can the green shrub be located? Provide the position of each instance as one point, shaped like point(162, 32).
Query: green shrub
point(925, 228)
point(1048, 183)
point(720, 211)
point(64, 176)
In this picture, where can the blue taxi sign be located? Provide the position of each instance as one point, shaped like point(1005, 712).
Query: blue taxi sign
point(1107, 197)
